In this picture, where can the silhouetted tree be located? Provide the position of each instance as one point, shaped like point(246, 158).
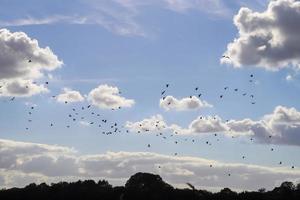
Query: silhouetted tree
point(141, 186)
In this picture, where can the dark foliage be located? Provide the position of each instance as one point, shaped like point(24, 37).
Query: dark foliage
point(141, 186)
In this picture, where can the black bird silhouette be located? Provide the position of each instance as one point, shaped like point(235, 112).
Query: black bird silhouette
point(225, 56)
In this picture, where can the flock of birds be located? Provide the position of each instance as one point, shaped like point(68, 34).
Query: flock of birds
point(83, 113)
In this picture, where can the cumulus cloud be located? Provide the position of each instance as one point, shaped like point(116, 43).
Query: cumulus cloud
point(282, 126)
point(154, 123)
point(69, 96)
point(22, 163)
point(108, 97)
point(207, 125)
point(200, 125)
point(21, 88)
point(22, 61)
point(267, 39)
point(172, 103)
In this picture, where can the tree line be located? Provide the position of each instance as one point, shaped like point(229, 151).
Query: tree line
point(141, 186)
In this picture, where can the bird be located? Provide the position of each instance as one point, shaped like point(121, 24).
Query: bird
point(167, 85)
point(225, 56)
point(29, 60)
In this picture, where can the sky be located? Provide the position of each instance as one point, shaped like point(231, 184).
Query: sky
point(198, 91)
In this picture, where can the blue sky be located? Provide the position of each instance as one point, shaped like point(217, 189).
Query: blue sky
point(138, 47)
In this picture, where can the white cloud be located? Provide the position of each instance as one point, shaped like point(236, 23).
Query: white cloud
point(21, 88)
point(22, 163)
point(194, 103)
point(84, 123)
point(17, 74)
point(267, 39)
point(108, 97)
point(69, 96)
point(207, 125)
point(154, 123)
point(289, 77)
point(280, 127)
point(29, 21)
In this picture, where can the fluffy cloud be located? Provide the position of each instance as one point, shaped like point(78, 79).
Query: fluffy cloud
point(154, 123)
point(194, 103)
point(21, 88)
point(22, 163)
point(22, 61)
point(282, 126)
point(207, 125)
point(268, 39)
point(69, 96)
point(108, 97)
